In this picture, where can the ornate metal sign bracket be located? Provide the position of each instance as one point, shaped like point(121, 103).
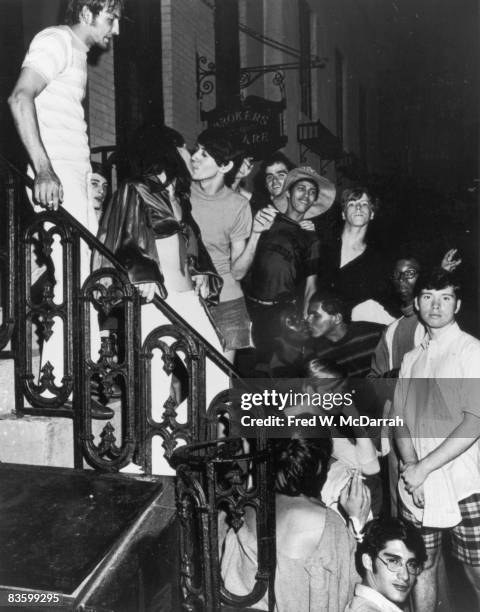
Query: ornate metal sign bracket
point(206, 73)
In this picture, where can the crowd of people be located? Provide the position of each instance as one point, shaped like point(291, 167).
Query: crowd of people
point(284, 279)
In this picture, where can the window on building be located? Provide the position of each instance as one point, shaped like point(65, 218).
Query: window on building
point(305, 53)
point(339, 91)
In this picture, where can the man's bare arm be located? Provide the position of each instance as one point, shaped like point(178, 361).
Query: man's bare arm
point(310, 288)
point(243, 251)
point(48, 191)
point(403, 440)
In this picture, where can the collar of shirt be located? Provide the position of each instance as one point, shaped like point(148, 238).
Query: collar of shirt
point(376, 598)
point(442, 340)
point(81, 45)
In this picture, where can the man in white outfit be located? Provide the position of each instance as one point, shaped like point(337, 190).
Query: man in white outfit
point(437, 398)
point(46, 104)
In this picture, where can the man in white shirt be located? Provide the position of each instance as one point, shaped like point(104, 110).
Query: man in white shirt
point(46, 104)
point(436, 396)
point(391, 556)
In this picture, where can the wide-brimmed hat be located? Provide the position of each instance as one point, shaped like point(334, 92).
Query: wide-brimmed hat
point(326, 191)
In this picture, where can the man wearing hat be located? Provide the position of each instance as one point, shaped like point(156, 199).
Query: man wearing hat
point(286, 257)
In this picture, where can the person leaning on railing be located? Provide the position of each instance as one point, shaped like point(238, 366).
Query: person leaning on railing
point(149, 227)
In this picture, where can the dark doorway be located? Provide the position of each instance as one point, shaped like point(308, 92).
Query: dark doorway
point(138, 71)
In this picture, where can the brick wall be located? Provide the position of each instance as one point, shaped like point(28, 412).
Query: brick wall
point(187, 28)
point(101, 101)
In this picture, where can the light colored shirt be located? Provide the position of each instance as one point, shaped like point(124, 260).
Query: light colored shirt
point(367, 599)
point(60, 58)
point(323, 581)
point(439, 380)
point(401, 336)
point(222, 218)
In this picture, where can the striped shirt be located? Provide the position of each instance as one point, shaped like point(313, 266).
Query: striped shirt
point(353, 352)
point(60, 58)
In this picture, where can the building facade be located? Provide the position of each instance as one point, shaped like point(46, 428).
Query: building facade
point(177, 60)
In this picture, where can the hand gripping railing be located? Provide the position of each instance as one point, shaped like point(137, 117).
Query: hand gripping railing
point(125, 370)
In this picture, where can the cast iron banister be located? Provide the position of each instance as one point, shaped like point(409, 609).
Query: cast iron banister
point(64, 382)
point(95, 244)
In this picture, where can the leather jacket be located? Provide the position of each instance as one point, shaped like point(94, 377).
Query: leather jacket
point(140, 213)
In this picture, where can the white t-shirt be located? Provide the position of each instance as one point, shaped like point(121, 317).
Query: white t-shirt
point(60, 58)
point(222, 218)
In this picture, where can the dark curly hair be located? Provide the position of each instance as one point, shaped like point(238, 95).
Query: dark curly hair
point(332, 304)
point(301, 464)
point(380, 531)
point(224, 147)
point(153, 150)
point(437, 279)
point(74, 8)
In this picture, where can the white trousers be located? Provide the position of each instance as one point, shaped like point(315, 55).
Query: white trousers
point(74, 179)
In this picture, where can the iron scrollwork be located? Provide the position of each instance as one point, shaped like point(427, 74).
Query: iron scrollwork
point(205, 72)
point(217, 481)
point(112, 371)
point(43, 311)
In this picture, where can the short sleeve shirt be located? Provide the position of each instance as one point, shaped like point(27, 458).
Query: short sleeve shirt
point(223, 218)
point(60, 58)
point(286, 255)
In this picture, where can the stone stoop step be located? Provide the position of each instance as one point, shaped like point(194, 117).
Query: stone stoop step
point(47, 441)
point(36, 440)
point(7, 386)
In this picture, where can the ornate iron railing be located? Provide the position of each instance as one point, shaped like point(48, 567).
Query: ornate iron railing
point(8, 256)
point(35, 307)
point(217, 480)
point(222, 488)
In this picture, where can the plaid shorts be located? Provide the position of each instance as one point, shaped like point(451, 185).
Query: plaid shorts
point(465, 536)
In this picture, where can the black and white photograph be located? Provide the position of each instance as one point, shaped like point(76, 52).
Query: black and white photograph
point(239, 305)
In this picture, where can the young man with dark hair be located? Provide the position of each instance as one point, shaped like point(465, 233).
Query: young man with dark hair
point(269, 180)
point(391, 556)
point(286, 259)
point(46, 104)
point(98, 188)
point(225, 222)
point(73, 13)
point(349, 344)
point(274, 171)
point(438, 443)
point(404, 333)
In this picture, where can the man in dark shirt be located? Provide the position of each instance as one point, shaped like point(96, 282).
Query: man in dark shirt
point(349, 345)
point(336, 339)
point(286, 259)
